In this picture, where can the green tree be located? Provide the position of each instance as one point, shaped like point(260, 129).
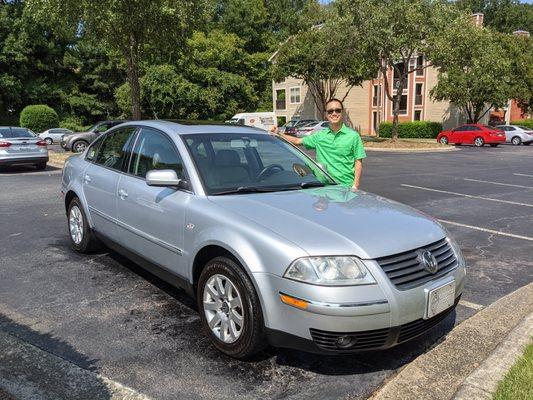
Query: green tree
point(395, 32)
point(475, 71)
point(504, 16)
point(129, 27)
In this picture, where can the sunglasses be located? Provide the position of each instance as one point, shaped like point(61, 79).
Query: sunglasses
point(334, 110)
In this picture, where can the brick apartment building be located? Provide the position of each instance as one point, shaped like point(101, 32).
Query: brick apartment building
point(366, 106)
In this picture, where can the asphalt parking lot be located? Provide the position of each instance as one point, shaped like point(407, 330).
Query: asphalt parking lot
point(105, 314)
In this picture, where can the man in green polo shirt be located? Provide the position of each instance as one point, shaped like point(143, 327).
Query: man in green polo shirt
point(339, 148)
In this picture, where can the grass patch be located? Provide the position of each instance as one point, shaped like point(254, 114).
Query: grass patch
point(58, 158)
point(385, 143)
point(518, 383)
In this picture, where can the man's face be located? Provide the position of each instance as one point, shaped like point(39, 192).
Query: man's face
point(334, 112)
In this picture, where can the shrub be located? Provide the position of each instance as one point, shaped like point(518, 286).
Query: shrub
point(73, 124)
point(524, 122)
point(38, 118)
point(415, 129)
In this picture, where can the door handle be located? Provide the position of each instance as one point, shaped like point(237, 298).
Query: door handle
point(86, 178)
point(122, 194)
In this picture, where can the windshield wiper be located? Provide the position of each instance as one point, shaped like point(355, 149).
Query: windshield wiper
point(305, 185)
point(246, 189)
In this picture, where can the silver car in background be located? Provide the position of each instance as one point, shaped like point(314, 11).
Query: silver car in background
point(22, 146)
point(54, 135)
point(517, 134)
point(274, 251)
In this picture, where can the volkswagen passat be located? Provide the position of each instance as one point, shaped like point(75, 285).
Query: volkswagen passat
point(273, 250)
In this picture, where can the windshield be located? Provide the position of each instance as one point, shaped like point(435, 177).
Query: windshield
point(233, 162)
point(16, 133)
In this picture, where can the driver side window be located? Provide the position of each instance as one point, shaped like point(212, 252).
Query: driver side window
point(114, 149)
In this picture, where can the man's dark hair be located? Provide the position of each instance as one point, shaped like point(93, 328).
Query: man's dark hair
point(334, 99)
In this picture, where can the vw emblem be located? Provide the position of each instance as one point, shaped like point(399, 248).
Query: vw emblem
point(430, 262)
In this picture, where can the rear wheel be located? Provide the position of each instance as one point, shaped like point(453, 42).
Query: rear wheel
point(443, 140)
point(479, 141)
point(516, 140)
point(81, 237)
point(229, 309)
point(79, 146)
point(41, 166)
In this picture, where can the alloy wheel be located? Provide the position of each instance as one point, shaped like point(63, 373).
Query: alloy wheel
point(516, 140)
point(76, 225)
point(479, 142)
point(79, 147)
point(48, 141)
point(444, 140)
point(223, 308)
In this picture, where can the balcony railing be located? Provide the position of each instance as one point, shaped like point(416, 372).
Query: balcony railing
point(375, 101)
point(418, 100)
point(280, 105)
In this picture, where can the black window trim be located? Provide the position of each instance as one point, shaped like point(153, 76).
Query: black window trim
point(103, 137)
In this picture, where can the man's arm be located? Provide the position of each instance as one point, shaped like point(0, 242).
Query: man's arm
point(291, 139)
point(358, 168)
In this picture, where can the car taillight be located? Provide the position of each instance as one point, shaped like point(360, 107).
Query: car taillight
point(41, 143)
point(5, 144)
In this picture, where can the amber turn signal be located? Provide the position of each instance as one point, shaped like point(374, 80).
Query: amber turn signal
point(292, 301)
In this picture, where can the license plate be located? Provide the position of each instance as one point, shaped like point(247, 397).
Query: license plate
point(440, 299)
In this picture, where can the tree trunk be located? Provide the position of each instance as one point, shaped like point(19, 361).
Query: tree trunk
point(396, 111)
point(133, 78)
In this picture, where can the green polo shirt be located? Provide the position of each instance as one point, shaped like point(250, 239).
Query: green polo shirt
point(337, 152)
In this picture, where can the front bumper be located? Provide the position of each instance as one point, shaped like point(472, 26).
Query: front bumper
point(375, 316)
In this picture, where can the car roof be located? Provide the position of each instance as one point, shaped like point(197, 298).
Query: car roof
point(195, 127)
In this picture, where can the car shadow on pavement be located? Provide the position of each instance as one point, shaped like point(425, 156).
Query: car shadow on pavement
point(32, 366)
point(342, 364)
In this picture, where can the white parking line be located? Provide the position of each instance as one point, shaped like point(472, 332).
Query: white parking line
point(529, 176)
point(477, 228)
point(498, 183)
point(474, 306)
point(468, 195)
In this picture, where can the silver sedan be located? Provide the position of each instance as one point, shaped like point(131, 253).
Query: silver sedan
point(272, 248)
point(517, 134)
point(22, 146)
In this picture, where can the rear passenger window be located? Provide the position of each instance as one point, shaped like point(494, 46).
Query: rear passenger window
point(114, 149)
point(154, 151)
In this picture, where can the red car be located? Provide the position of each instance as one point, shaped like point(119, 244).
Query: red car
point(476, 134)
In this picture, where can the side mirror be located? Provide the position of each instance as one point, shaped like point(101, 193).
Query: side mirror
point(165, 178)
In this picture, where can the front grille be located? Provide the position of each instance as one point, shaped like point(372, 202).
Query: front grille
point(406, 271)
point(360, 340)
point(413, 329)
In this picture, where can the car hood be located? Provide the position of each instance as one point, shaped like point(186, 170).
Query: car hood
point(335, 220)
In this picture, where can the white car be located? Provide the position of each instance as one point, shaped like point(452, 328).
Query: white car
point(54, 135)
point(517, 134)
point(311, 128)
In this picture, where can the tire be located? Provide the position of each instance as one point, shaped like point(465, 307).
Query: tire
point(239, 305)
point(516, 140)
point(48, 141)
point(79, 146)
point(41, 166)
point(494, 144)
point(479, 141)
point(526, 144)
point(85, 242)
point(443, 140)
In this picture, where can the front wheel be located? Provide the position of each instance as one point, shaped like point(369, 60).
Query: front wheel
point(479, 142)
point(516, 140)
point(229, 309)
point(79, 146)
point(443, 140)
point(48, 141)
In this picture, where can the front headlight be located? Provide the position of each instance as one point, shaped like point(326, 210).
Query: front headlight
point(330, 271)
point(457, 251)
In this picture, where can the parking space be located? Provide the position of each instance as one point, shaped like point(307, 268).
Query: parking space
point(105, 314)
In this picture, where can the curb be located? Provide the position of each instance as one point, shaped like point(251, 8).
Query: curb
point(483, 382)
point(28, 372)
point(439, 373)
point(415, 150)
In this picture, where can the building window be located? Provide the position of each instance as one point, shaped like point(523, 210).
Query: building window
point(280, 99)
point(375, 121)
point(418, 115)
point(376, 96)
point(295, 95)
point(420, 64)
point(403, 105)
point(418, 94)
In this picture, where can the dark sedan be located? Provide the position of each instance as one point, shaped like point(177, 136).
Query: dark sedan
point(78, 142)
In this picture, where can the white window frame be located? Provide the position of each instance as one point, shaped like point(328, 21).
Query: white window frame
point(299, 95)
